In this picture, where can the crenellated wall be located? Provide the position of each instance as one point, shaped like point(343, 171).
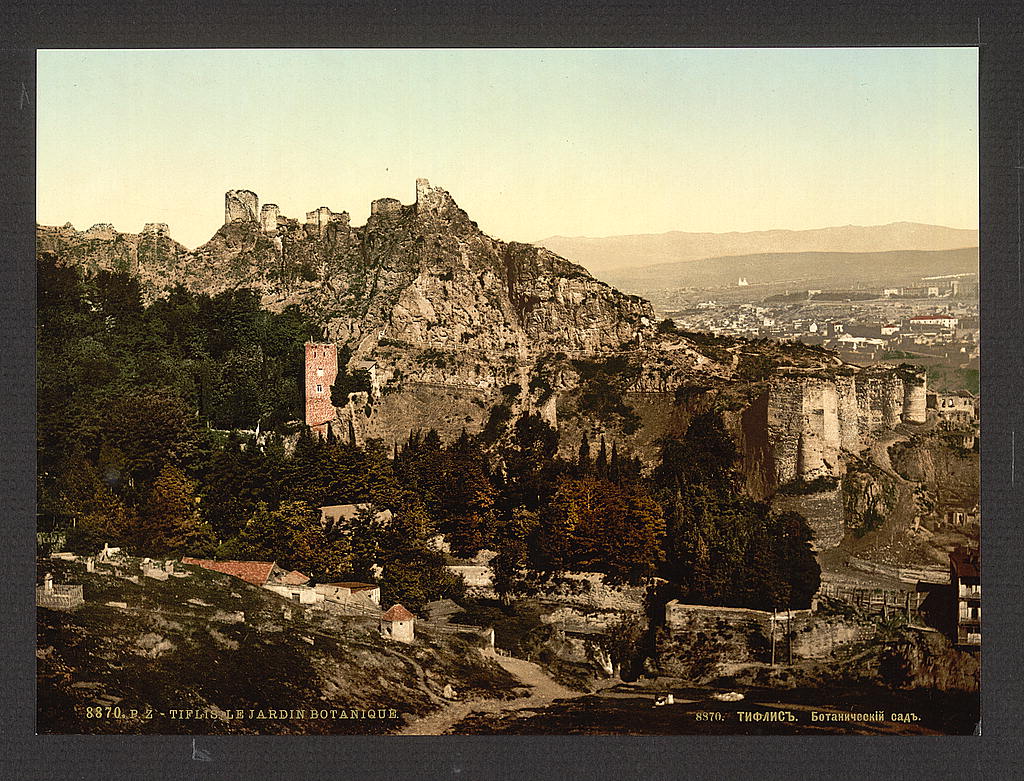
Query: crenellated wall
point(812, 418)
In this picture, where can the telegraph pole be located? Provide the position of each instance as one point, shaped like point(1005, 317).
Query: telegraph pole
point(773, 637)
point(789, 633)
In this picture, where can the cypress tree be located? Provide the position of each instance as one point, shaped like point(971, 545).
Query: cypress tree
point(601, 466)
point(584, 458)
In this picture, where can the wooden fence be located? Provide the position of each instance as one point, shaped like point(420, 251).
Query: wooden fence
point(876, 600)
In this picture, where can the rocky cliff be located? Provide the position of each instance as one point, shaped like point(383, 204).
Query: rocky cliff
point(457, 325)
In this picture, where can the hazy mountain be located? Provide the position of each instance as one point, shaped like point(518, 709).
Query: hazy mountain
point(603, 256)
point(835, 270)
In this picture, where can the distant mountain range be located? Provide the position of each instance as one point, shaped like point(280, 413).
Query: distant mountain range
point(610, 256)
point(766, 273)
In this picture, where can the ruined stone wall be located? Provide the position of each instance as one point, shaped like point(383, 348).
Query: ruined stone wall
point(702, 636)
point(156, 228)
point(850, 438)
point(268, 217)
point(322, 217)
point(321, 371)
point(915, 400)
point(812, 419)
point(384, 206)
point(353, 420)
point(241, 206)
point(101, 230)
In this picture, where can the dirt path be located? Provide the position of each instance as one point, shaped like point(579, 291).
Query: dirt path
point(544, 691)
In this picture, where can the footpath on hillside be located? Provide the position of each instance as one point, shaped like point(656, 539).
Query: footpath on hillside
point(544, 691)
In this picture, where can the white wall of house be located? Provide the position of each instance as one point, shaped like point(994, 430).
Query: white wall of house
point(304, 595)
point(402, 631)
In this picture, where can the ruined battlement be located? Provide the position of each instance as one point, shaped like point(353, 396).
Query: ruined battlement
point(155, 228)
point(814, 417)
point(430, 200)
point(269, 214)
point(385, 206)
point(241, 206)
point(101, 230)
point(322, 217)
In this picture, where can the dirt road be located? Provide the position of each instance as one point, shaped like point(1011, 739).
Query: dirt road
point(544, 690)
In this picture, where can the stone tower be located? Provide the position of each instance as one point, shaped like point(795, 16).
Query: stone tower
point(915, 399)
point(321, 371)
point(268, 217)
point(241, 206)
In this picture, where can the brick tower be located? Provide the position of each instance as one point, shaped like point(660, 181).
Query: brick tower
point(321, 371)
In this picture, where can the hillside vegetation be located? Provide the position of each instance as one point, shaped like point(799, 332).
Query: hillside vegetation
point(216, 644)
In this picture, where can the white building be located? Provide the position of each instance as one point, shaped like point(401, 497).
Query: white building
point(398, 624)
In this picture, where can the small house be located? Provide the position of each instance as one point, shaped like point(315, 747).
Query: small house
point(398, 624)
point(291, 585)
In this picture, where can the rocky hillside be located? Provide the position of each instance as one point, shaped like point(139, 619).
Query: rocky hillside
point(466, 332)
point(152, 255)
point(423, 274)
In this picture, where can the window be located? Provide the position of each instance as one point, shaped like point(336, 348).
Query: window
point(319, 388)
point(319, 372)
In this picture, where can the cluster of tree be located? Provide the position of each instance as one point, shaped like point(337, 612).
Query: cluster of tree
point(723, 548)
point(131, 397)
point(227, 361)
point(538, 511)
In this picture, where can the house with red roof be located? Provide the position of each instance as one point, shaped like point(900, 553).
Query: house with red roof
point(291, 584)
point(398, 624)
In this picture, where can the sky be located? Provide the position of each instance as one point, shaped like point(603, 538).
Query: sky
point(530, 142)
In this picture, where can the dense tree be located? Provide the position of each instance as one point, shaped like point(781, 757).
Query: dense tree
point(721, 547)
point(294, 537)
point(512, 559)
point(593, 524)
point(170, 520)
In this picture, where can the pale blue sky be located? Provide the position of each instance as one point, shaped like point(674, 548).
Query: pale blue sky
point(530, 142)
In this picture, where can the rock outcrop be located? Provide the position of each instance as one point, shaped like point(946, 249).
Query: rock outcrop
point(453, 320)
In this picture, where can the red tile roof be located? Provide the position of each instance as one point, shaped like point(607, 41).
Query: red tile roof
point(397, 613)
point(966, 562)
point(255, 572)
point(294, 578)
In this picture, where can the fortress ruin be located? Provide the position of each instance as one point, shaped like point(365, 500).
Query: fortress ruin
point(813, 417)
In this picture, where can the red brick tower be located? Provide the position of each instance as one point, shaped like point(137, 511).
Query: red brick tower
point(321, 371)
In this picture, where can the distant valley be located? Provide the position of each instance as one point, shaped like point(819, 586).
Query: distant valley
point(767, 274)
point(612, 256)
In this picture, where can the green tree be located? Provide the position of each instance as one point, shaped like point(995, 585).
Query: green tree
point(512, 559)
point(170, 520)
point(103, 519)
point(294, 537)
